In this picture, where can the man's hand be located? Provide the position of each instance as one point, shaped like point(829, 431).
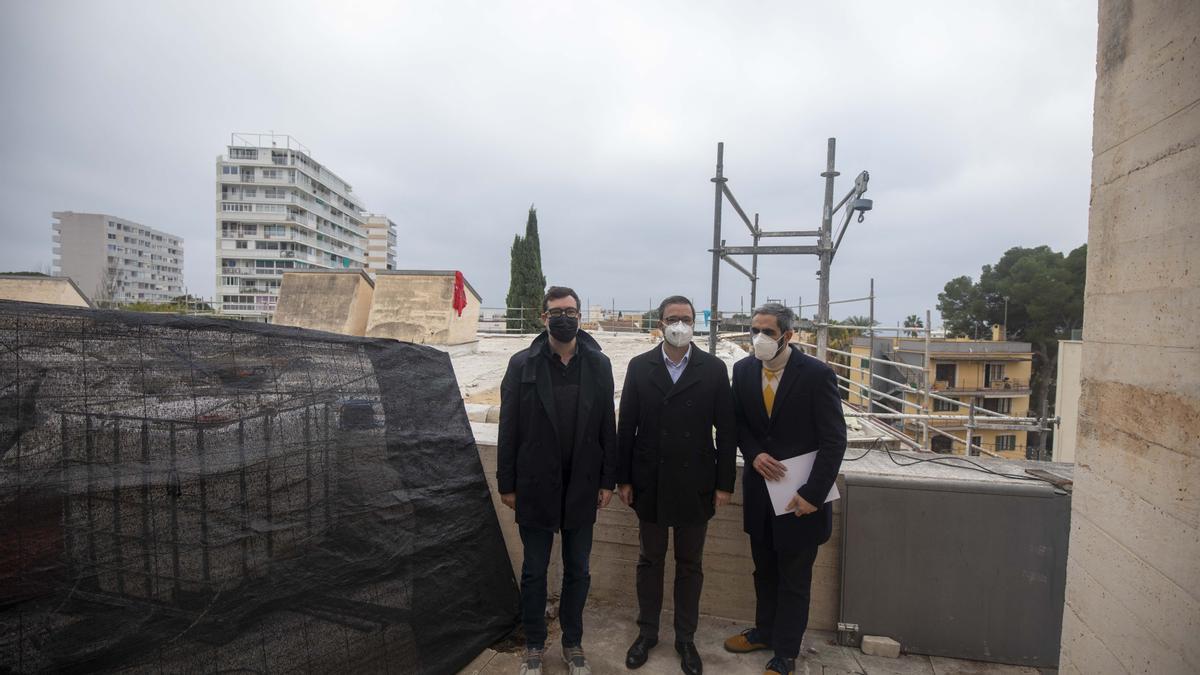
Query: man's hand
point(626, 493)
point(721, 498)
point(603, 498)
point(800, 506)
point(509, 500)
point(768, 467)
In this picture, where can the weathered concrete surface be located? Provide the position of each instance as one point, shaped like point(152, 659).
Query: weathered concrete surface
point(608, 631)
point(46, 290)
point(337, 301)
point(1133, 576)
point(417, 306)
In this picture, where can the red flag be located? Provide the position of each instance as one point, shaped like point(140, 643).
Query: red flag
point(460, 293)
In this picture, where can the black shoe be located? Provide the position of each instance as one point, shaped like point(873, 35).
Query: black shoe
point(638, 652)
point(689, 658)
point(781, 666)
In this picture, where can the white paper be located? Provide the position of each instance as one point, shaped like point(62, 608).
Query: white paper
point(798, 470)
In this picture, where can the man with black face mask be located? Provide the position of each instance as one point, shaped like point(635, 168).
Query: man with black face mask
point(557, 464)
point(787, 404)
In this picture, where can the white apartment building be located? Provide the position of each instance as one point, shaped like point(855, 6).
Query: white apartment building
point(381, 243)
point(278, 209)
point(115, 260)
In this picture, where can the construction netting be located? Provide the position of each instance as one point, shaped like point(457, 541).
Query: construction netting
point(181, 494)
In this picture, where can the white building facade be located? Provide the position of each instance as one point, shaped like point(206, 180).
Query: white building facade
point(278, 210)
point(381, 243)
point(115, 260)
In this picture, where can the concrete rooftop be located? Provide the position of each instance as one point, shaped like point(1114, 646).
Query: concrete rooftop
point(609, 630)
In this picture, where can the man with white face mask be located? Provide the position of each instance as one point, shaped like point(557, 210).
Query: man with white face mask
point(787, 404)
point(670, 470)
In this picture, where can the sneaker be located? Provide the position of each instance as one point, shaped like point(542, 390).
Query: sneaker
point(746, 641)
point(780, 666)
point(531, 662)
point(576, 662)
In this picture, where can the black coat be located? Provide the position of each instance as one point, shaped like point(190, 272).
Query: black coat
point(665, 433)
point(529, 459)
point(806, 416)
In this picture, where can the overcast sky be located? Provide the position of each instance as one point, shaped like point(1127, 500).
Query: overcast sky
point(974, 120)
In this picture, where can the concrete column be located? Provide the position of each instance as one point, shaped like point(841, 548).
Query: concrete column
point(1133, 573)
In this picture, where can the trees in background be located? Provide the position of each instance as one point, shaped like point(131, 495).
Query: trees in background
point(1039, 289)
point(526, 282)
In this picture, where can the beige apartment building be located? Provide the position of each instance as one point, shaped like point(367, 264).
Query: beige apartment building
point(990, 374)
point(115, 260)
point(381, 243)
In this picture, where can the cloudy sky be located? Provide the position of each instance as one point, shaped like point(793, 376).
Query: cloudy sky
point(974, 120)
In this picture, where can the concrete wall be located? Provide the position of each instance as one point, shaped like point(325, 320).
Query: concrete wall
point(48, 290)
point(1066, 399)
point(328, 300)
point(1133, 576)
point(728, 568)
point(416, 306)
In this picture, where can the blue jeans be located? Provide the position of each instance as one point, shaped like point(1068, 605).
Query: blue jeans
point(576, 549)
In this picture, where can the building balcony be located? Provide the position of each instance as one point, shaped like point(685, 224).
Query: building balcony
point(1006, 386)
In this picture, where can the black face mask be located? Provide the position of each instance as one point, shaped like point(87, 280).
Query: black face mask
point(563, 328)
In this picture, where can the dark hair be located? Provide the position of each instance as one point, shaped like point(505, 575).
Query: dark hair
point(674, 300)
point(556, 292)
point(783, 315)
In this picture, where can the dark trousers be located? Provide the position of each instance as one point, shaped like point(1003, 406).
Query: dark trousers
point(782, 585)
point(576, 548)
point(689, 577)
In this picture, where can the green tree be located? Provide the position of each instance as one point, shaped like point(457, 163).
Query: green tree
point(913, 321)
point(1042, 293)
point(526, 283)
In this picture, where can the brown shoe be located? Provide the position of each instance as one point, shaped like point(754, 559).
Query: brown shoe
point(745, 642)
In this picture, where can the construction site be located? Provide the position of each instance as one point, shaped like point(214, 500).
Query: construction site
point(195, 493)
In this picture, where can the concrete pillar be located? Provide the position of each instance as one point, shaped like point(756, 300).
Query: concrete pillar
point(1133, 573)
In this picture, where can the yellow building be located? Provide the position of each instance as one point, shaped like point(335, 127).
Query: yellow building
point(990, 374)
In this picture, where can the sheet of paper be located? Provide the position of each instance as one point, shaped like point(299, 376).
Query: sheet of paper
point(798, 470)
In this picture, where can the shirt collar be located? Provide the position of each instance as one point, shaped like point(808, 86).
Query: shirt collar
point(686, 355)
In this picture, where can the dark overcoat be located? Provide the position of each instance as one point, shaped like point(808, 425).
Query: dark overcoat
point(529, 458)
point(806, 417)
point(666, 439)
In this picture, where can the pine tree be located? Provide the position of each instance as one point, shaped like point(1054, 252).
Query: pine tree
point(526, 284)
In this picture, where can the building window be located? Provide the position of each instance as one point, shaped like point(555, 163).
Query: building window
point(249, 192)
point(944, 372)
point(237, 207)
point(239, 244)
point(944, 406)
point(1006, 442)
point(941, 444)
point(270, 173)
point(243, 153)
point(229, 170)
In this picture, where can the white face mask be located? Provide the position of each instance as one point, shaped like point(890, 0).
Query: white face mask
point(765, 348)
point(679, 334)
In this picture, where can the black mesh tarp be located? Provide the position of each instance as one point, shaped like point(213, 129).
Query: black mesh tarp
point(201, 495)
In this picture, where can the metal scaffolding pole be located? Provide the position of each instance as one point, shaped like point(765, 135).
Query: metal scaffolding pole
point(754, 268)
point(719, 183)
point(925, 440)
point(826, 251)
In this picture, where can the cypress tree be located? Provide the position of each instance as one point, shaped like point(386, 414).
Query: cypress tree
point(526, 284)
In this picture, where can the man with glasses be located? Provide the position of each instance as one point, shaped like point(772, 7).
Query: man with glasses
point(672, 472)
point(557, 464)
point(787, 404)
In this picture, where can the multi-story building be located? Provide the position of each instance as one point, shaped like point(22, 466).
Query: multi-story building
point(993, 375)
point(278, 209)
point(381, 242)
point(115, 260)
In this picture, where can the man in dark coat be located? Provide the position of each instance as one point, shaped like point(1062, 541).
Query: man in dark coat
point(787, 404)
point(557, 463)
point(671, 471)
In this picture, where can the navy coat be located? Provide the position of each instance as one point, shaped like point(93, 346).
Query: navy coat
point(806, 417)
point(529, 459)
point(665, 437)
